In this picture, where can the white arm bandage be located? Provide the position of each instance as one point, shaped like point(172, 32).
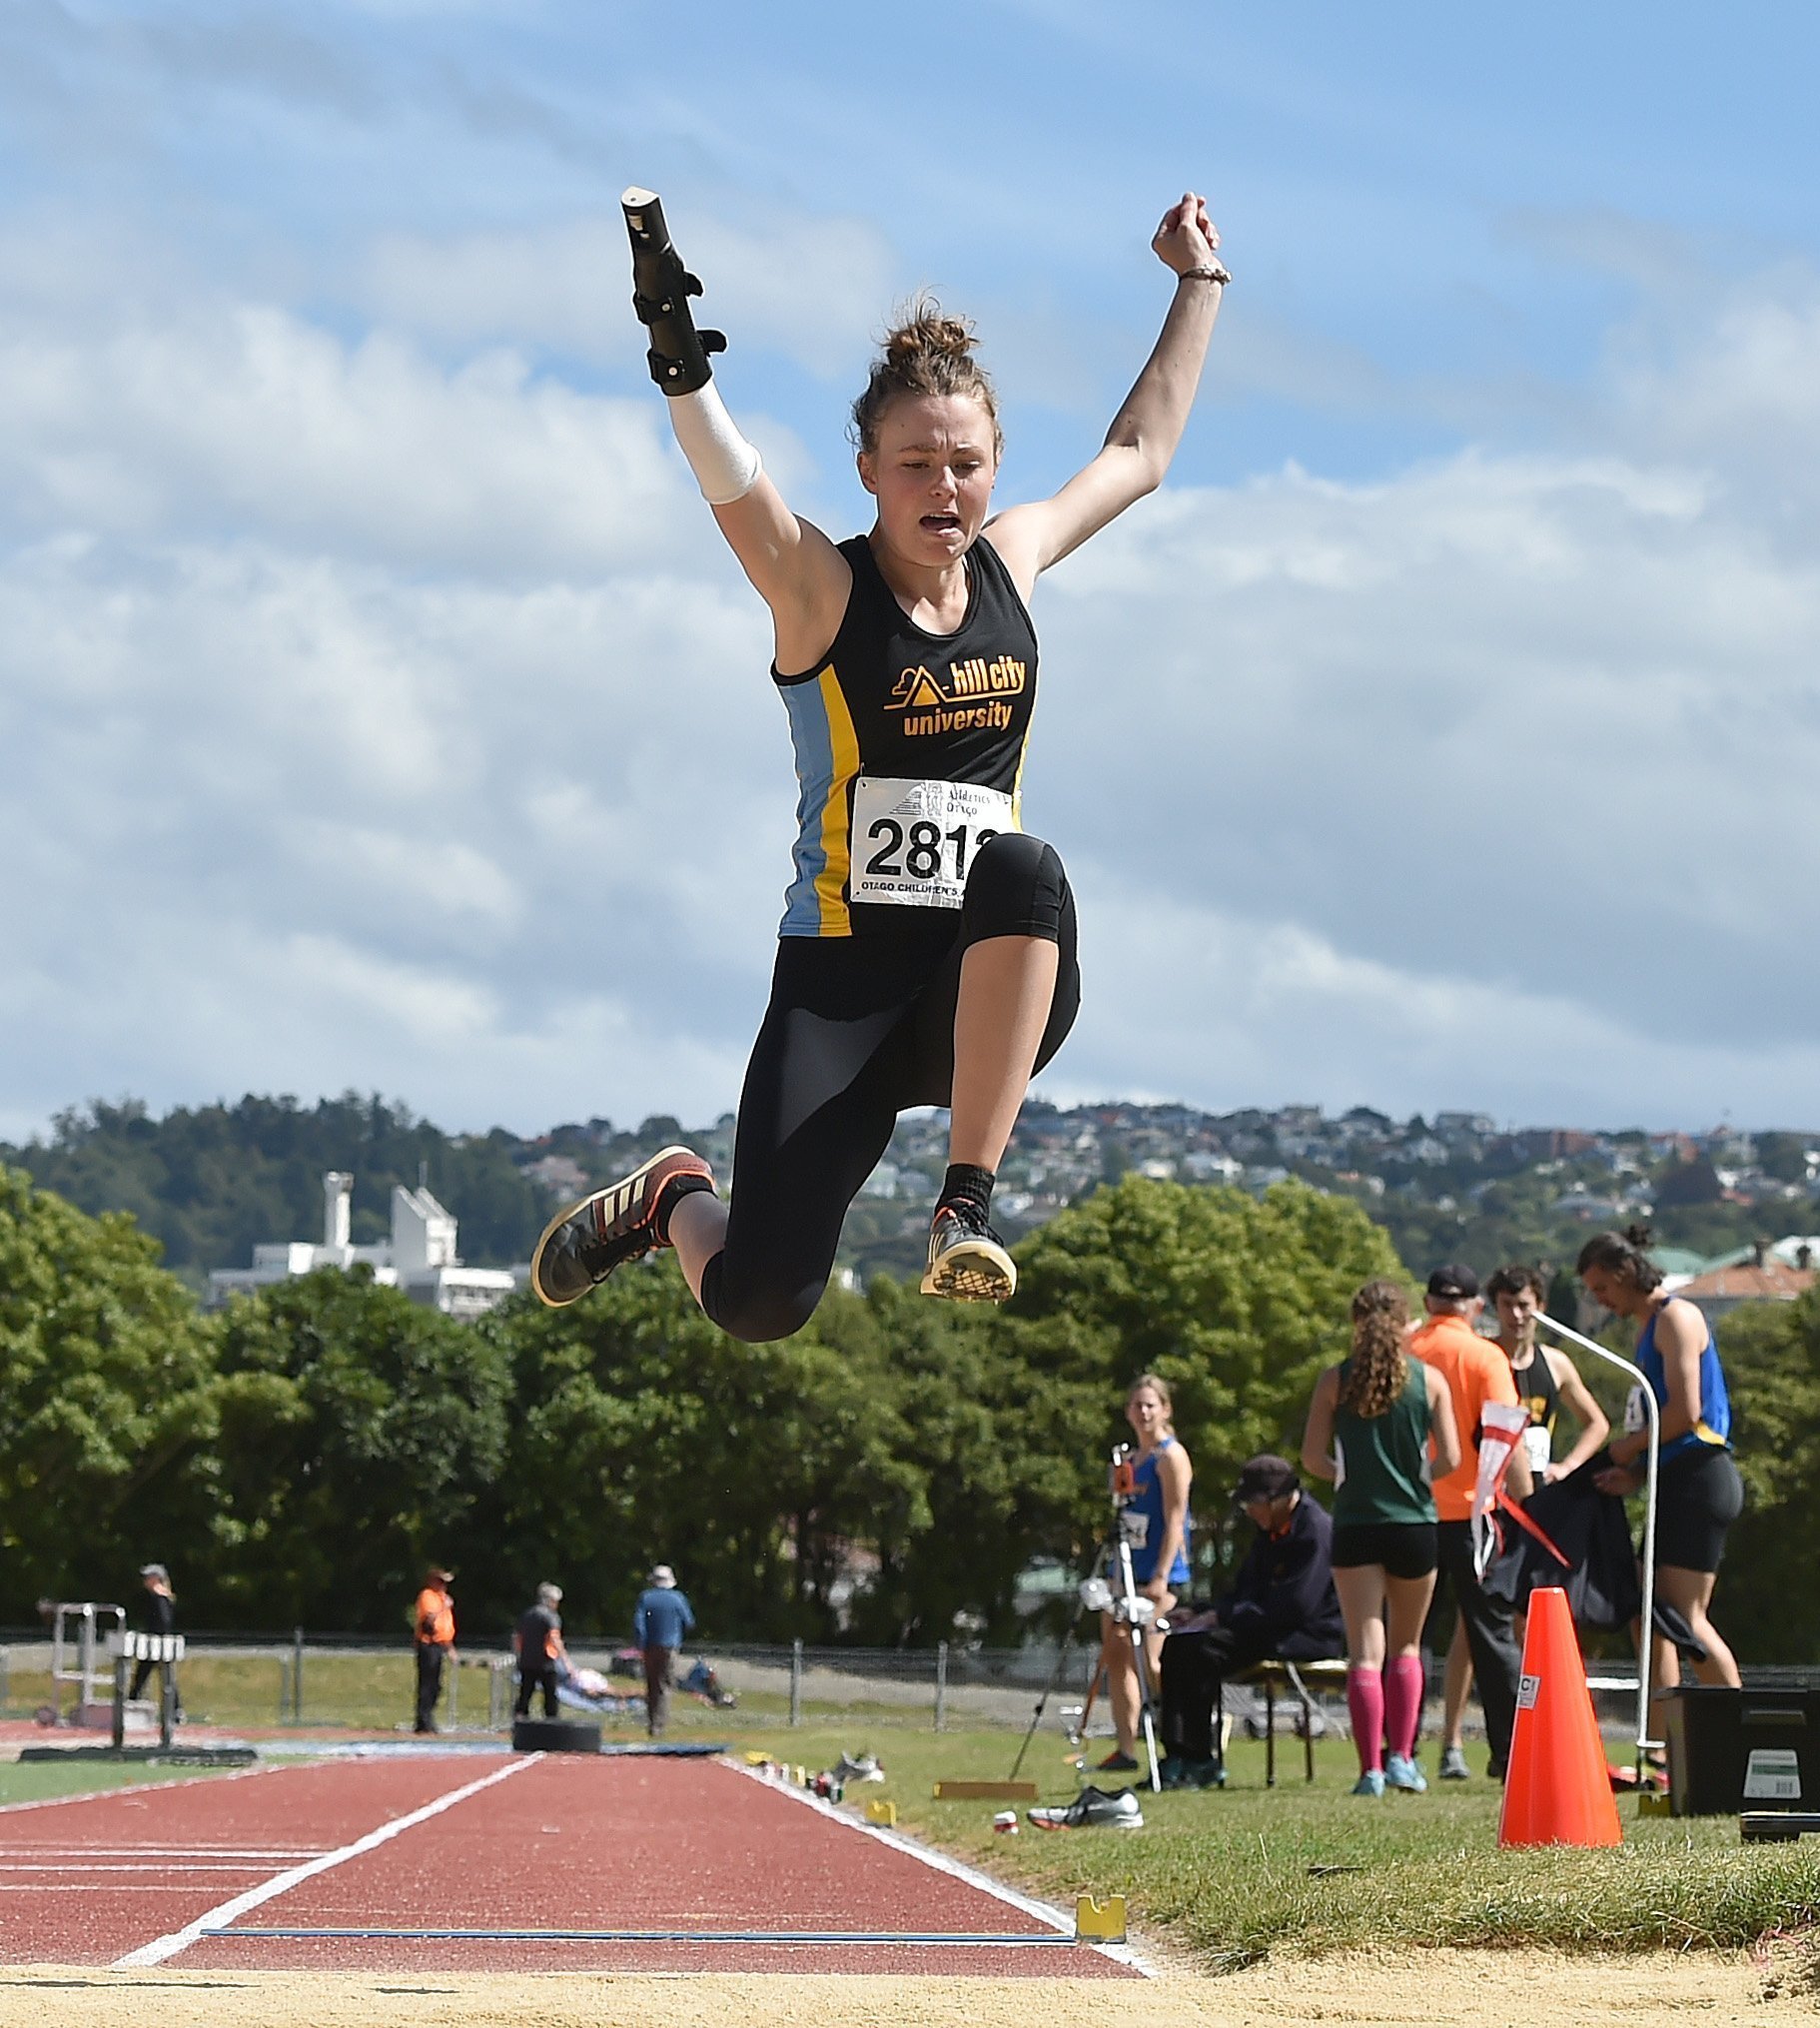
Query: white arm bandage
point(725, 466)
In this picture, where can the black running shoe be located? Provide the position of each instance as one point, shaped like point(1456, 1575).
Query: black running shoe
point(586, 1243)
point(967, 1261)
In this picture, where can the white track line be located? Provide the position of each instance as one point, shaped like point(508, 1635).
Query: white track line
point(81, 1887)
point(150, 1852)
point(279, 1883)
point(1043, 1911)
point(158, 1866)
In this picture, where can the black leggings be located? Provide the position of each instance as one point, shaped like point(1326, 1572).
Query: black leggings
point(859, 1028)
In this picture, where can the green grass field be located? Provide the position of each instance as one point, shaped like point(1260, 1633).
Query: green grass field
point(1238, 1873)
point(40, 1780)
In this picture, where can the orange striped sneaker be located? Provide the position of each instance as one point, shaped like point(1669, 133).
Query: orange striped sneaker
point(584, 1244)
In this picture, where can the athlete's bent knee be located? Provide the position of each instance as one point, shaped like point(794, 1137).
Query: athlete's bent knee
point(756, 1316)
point(1016, 886)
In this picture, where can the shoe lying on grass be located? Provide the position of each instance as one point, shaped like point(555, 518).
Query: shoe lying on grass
point(1453, 1764)
point(1399, 1771)
point(1092, 1809)
point(852, 1767)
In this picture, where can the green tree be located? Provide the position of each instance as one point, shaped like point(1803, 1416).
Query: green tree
point(1764, 1603)
point(1236, 1301)
point(356, 1432)
point(105, 1400)
point(1784, 1155)
point(642, 1432)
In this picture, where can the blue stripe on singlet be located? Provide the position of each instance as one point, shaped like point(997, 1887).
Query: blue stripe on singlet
point(809, 909)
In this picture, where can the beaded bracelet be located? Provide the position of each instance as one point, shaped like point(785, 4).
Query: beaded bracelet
point(1212, 271)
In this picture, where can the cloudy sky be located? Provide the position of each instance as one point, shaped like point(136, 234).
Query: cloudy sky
point(379, 709)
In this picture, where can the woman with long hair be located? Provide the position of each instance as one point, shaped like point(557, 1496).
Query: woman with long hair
point(1381, 1427)
point(1156, 1528)
point(1698, 1491)
point(927, 950)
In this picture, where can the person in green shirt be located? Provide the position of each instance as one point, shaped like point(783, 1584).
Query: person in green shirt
point(1380, 1427)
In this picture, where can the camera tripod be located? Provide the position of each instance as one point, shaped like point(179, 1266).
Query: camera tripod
point(1110, 1588)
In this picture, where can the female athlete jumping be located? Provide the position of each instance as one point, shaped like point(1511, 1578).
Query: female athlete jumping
point(927, 950)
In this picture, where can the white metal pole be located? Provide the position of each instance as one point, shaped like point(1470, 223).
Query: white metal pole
point(1129, 1589)
point(1652, 1411)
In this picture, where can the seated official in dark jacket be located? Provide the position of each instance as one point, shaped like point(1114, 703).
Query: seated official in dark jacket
point(1283, 1602)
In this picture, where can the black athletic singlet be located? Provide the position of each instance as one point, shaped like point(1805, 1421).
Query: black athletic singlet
point(1538, 1392)
point(892, 703)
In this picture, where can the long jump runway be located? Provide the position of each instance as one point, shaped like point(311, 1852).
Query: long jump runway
point(503, 1864)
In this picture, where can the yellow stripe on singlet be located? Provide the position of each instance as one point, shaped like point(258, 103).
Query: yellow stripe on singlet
point(843, 745)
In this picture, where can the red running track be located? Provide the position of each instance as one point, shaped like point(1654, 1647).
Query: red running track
point(566, 1843)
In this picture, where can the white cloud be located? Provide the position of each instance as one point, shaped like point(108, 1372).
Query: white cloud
point(1547, 719)
point(1198, 1000)
point(245, 417)
point(811, 286)
point(382, 719)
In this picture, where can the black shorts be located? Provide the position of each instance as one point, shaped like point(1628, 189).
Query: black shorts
point(1698, 1496)
point(859, 1029)
point(1405, 1548)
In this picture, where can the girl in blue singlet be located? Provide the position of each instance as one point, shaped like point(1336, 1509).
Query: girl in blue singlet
point(1698, 1491)
point(1157, 1527)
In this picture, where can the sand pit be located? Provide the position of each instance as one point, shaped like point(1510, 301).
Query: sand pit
point(1436, 1989)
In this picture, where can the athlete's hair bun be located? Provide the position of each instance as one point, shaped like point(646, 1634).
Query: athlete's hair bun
point(926, 352)
point(928, 334)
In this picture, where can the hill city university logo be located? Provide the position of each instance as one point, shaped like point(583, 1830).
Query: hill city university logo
point(968, 696)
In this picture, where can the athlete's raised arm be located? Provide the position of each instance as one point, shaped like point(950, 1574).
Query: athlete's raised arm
point(794, 568)
point(1151, 420)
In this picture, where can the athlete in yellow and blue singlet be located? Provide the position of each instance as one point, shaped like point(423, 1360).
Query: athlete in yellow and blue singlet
point(927, 950)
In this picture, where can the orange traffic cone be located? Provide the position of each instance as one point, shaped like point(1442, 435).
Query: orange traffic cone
point(1557, 1788)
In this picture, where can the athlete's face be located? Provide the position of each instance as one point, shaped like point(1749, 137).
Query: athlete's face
point(1517, 1314)
point(1146, 1414)
point(1616, 1293)
point(932, 474)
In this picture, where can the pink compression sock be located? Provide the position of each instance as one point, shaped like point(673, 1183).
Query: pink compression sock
point(1402, 1702)
point(1364, 1699)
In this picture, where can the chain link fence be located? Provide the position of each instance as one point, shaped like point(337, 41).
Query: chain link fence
point(305, 1681)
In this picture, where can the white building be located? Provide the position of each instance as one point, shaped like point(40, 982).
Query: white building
point(419, 1258)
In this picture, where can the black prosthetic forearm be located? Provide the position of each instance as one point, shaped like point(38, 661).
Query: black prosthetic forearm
point(661, 288)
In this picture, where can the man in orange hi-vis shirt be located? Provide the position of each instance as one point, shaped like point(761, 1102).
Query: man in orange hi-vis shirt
point(1476, 1371)
point(436, 1632)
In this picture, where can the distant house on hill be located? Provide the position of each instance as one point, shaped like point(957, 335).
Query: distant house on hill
point(420, 1256)
point(1761, 1276)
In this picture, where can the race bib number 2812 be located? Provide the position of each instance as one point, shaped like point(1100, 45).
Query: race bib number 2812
point(913, 841)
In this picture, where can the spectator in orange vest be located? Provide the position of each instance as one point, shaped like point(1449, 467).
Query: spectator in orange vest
point(1476, 1371)
point(435, 1641)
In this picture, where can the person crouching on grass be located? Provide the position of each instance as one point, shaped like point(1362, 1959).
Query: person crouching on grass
point(1379, 1425)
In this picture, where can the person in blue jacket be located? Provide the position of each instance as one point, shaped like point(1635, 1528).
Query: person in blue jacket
point(660, 1620)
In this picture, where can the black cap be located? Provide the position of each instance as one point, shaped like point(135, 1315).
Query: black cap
point(1265, 1478)
point(1453, 1281)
